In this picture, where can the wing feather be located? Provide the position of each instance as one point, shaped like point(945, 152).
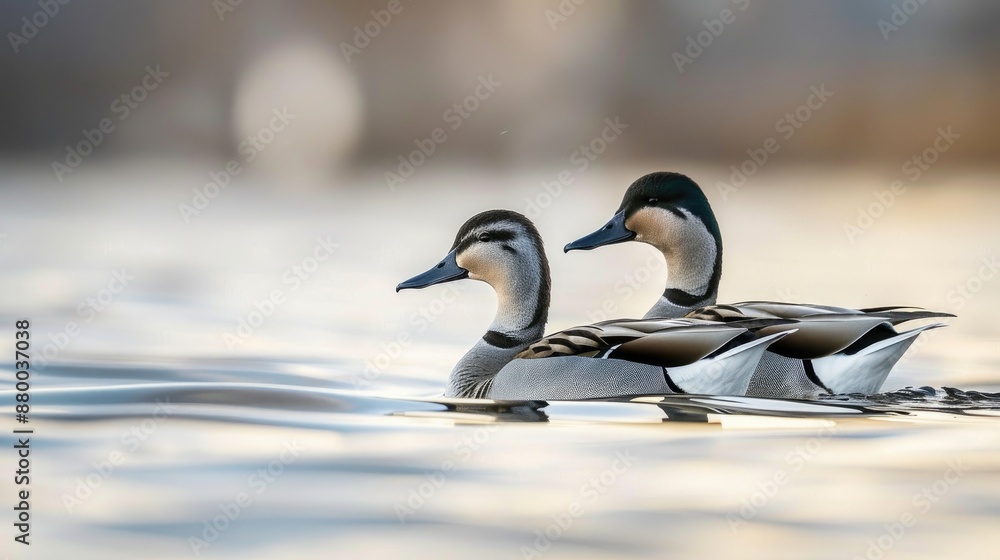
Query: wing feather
point(667, 343)
point(676, 347)
point(823, 335)
point(822, 330)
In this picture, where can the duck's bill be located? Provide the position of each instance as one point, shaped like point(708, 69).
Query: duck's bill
point(612, 232)
point(446, 271)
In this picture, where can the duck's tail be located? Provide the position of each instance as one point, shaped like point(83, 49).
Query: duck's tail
point(865, 369)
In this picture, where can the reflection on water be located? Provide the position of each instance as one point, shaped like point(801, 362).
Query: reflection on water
point(141, 458)
point(318, 434)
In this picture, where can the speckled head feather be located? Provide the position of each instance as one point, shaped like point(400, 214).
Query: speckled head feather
point(673, 192)
point(504, 227)
point(682, 197)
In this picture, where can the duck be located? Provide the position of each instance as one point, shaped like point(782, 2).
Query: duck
point(513, 361)
point(835, 350)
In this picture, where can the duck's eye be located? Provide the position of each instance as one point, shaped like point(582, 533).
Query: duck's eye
point(652, 200)
point(484, 237)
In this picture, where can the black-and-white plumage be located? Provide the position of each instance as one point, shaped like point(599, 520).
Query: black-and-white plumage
point(834, 349)
point(609, 359)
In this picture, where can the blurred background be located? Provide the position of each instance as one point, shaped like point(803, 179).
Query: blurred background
point(848, 147)
point(213, 201)
point(365, 93)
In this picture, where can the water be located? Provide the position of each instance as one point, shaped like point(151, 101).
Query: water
point(319, 434)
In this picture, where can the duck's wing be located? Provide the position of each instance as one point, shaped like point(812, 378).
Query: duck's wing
point(735, 317)
point(666, 342)
point(677, 346)
point(649, 325)
point(822, 330)
point(895, 314)
point(900, 315)
point(824, 335)
point(578, 341)
point(789, 310)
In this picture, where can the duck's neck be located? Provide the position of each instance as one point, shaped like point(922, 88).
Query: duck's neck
point(694, 269)
point(522, 311)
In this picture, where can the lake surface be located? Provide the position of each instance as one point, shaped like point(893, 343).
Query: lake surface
point(171, 423)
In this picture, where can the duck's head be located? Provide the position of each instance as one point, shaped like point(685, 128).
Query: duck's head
point(666, 210)
point(670, 212)
point(503, 249)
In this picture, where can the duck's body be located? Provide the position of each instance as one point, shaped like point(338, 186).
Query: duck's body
point(836, 350)
point(639, 357)
point(610, 359)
